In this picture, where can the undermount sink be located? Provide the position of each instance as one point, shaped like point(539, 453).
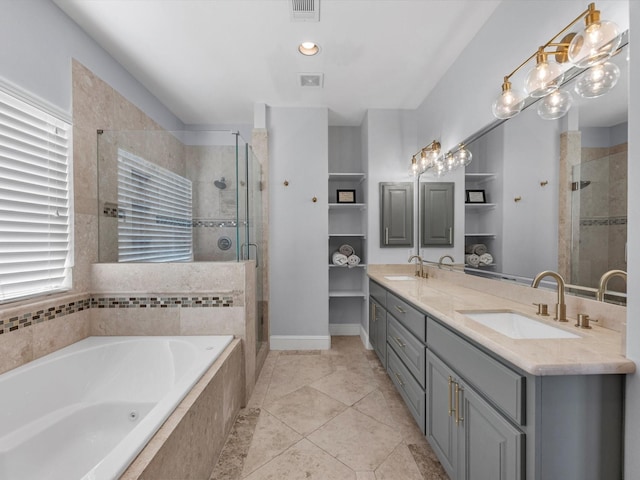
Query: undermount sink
point(515, 325)
point(402, 278)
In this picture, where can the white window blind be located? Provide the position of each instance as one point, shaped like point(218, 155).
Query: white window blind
point(154, 212)
point(36, 251)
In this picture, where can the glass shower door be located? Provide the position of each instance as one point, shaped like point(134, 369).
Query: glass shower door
point(250, 226)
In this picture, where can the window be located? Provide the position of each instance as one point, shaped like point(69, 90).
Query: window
point(154, 212)
point(36, 250)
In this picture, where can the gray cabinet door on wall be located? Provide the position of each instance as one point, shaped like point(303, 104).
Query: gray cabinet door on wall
point(437, 214)
point(396, 214)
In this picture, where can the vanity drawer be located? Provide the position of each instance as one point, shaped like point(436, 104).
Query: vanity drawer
point(408, 315)
point(498, 383)
point(411, 392)
point(379, 293)
point(409, 349)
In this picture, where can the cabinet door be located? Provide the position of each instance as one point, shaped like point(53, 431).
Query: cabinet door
point(489, 446)
point(437, 214)
point(440, 426)
point(378, 330)
point(396, 214)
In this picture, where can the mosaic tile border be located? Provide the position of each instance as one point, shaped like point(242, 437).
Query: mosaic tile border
point(603, 221)
point(31, 318)
point(162, 302)
point(28, 319)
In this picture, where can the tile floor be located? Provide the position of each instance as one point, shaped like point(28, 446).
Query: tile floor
point(326, 415)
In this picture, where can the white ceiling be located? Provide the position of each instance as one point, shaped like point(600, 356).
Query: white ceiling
point(210, 61)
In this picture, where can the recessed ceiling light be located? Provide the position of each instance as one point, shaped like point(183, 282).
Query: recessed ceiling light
point(308, 48)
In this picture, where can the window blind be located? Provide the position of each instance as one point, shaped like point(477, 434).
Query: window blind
point(154, 212)
point(36, 253)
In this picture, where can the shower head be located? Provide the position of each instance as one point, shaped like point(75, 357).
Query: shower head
point(221, 184)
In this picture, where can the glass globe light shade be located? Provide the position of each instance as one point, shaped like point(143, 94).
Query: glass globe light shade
point(413, 169)
point(597, 80)
point(509, 103)
point(595, 44)
point(462, 157)
point(450, 162)
point(555, 106)
point(543, 79)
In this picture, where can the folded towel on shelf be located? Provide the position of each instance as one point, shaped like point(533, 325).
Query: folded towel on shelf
point(353, 260)
point(476, 248)
point(339, 259)
point(346, 250)
point(486, 259)
point(472, 260)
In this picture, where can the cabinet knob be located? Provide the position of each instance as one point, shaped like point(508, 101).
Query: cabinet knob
point(314, 199)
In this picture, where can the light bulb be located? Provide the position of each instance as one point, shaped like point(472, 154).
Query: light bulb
point(597, 80)
point(555, 105)
point(596, 43)
point(544, 78)
point(509, 103)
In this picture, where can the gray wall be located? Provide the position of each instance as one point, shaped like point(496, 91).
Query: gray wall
point(39, 41)
point(298, 242)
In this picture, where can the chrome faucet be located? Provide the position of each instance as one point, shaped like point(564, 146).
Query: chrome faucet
point(419, 270)
point(561, 308)
point(604, 280)
point(440, 260)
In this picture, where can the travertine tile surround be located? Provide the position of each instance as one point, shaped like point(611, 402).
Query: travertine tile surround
point(233, 281)
point(331, 414)
point(445, 293)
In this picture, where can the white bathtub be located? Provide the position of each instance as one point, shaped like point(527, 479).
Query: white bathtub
point(86, 411)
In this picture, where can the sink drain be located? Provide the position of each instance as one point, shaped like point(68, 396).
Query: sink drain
point(133, 415)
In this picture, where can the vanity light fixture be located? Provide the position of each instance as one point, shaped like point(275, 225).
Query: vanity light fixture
point(589, 48)
point(431, 160)
point(308, 49)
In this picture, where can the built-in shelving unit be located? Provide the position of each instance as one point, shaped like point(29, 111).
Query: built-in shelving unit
point(480, 220)
point(348, 286)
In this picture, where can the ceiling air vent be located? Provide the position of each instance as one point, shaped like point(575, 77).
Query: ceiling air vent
point(314, 80)
point(305, 10)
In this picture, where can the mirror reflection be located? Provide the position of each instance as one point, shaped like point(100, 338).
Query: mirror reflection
point(555, 192)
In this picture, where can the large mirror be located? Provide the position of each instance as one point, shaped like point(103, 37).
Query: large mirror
point(555, 192)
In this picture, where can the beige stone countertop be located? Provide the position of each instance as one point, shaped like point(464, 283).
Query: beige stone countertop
point(597, 351)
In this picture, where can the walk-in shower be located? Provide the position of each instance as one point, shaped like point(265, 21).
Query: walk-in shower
point(179, 196)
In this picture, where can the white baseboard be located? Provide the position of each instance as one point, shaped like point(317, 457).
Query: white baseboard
point(341, 329)
point(364, 336)
point(300, 342)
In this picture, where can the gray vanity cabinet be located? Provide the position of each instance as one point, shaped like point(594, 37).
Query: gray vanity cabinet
point(485, 418)
point(378, 330)
point(396, 214)
point(471, 438)
point(437, 214)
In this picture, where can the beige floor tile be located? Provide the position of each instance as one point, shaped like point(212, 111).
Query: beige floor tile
point(271, 437)
point(375, 406)
point(427, 461)
point(303, 461)
point(345, 385)
point(295, 371)
point(399, 465)
point(365, 476)
point(357, 440)
point(306, 409)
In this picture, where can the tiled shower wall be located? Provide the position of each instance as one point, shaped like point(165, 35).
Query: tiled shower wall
point(214, 209)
